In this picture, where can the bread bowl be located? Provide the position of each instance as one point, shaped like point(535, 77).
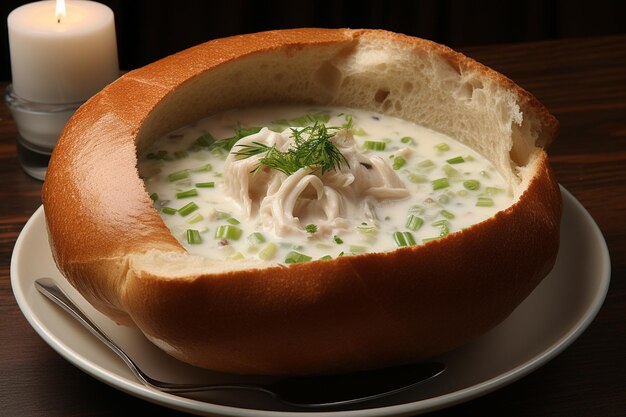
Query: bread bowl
point(354, 312)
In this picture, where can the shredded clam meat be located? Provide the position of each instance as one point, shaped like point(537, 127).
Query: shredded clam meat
point(286, 204)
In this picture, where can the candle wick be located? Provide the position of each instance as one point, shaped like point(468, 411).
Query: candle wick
point(58, 20)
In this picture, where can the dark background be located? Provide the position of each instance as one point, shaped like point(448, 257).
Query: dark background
point(148, 30)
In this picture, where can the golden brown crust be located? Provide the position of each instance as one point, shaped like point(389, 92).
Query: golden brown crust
point(350, 313)
point(362, 311)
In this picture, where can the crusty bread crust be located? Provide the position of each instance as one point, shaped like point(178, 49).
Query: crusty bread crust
point(350, 313)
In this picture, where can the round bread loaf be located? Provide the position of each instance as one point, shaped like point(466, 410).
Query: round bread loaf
point(355, 312)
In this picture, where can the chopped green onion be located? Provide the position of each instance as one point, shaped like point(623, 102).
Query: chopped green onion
point(294, 257)
point(493, 190)
point(186, 194)
point(413, 222)
point(443, 198)
point(348, 123)
point(484, 202)
point(205, 184)
point(188, 209)
point(304, 120)
point(367, 229)
point(184, 183)
point(442, 147)
point(415, 178)
point(355, 249)
point(310, 228)
point(193, 237)
point(326, 258)
point(398, 162)
point(169, 210)
point(256, 238)
point(232, 220)
point(375, 145)
point(195, 218)
point(181, 154)
point(451, 172)
point(178, 175)
point(203, 168)
point(455, 160)
point(236, 256)
point(428, 239)
point(154, 196)
point(471, 185)
point(447, 214)
point(227, 231)
point(427, 163)
point(368, 232)
point(337, 240)
point(403, 239)
point(444, 227)
point(219, 152)
point(268, 251)
point(205, 140)
point(440, 183)
point(408, 140)
point(221, 215)
point(417, 209)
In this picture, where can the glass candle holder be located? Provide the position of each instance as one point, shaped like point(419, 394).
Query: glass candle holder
point(39, 126)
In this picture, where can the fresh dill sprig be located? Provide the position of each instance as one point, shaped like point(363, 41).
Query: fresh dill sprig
point(312, 148)
point(281, 161)
point(250, 150)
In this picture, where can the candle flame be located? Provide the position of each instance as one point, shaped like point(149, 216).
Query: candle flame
point(60, 10)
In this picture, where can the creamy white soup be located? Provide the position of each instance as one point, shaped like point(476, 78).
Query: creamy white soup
point(289, 184)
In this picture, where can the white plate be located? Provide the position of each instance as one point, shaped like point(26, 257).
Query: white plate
point(554, 315)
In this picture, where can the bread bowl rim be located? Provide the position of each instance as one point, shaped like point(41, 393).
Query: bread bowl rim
point(114, 295)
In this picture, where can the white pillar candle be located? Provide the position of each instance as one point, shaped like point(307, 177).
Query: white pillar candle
point(65, 58)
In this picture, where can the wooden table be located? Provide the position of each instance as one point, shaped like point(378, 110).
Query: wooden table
point(582, 81)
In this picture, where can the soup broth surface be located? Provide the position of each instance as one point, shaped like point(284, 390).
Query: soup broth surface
point(236, 185)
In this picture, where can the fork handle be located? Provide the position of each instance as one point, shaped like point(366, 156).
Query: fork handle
point(48, 287)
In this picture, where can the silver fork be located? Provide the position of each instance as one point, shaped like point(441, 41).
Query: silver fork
point(309, 392)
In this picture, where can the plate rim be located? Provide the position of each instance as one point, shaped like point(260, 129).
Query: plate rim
point(421, 406)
